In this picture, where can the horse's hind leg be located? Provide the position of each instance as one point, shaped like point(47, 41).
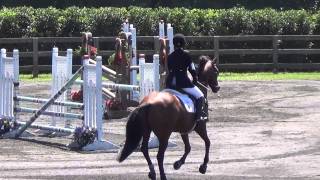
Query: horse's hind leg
point(145, 151)
point(163, 143)
point(201, 129)
point(187, 149)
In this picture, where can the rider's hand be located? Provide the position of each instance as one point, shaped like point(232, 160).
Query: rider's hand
point(195, 80)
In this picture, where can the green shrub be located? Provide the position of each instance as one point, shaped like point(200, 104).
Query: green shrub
point(296, 22)
point(74, 21)
point(47, 22)
point(266, 22)
point(145, 20)
point(316, 20)
point(209, 21)
point(163, 14)
point(15, 22)
point(233, 21)
point(106, 21)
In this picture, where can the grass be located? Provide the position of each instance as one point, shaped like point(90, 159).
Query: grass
point(40, 78)
point(224, 76)
point(268, 76)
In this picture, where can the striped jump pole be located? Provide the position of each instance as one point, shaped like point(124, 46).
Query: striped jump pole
point(47, 128)
point(50, 113)
point(47, 104)
point(42, 100)
point(124, 87)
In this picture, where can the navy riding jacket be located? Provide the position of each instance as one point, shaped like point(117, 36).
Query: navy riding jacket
point(179, 62)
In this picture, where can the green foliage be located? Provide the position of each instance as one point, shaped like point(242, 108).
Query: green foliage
point(316, 20)
point(209, 21)
point(107, 21)
point(8, 25)
point(186, 21)
point(74, 21)
point(47, 22)
point(15, 22)
point(249, 4)
point(266, 22)
point(145, 19)
point(296, 22)
point(233, 21)
point(268, 76)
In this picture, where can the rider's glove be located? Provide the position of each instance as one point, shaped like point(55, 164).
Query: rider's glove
point(195, 80)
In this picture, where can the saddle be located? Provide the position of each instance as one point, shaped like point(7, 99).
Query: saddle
point(186, 100)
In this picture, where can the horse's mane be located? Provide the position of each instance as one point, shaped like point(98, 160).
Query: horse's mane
point(203, 60)
point(202, 63)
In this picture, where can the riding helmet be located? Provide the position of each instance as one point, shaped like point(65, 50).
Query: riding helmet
point(179, 40)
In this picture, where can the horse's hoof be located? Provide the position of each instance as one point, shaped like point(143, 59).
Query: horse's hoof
point(164, 178)
point(152, 176)
point(177, 165)
point(203, 169)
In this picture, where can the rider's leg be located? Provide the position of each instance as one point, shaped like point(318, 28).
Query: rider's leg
point(196, 92)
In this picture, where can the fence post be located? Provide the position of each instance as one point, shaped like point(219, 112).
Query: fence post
point(96, 42)
point(156, 44)
point(275, 53)
point(35, 70)
point(216, 48)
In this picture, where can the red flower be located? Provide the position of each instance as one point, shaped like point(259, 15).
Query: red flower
point(77, 95)
point(93, 50)
point(113, 104)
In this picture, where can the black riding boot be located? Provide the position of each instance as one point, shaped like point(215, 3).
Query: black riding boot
point(199, 108)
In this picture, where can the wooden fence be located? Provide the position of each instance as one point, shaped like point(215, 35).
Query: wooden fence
point(274, 51)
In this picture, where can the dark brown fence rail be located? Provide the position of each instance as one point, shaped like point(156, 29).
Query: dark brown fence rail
point(211, 45)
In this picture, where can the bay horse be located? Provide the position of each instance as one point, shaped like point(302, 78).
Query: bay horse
point(151, 116)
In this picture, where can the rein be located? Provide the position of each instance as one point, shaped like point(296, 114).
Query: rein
point(205, 87)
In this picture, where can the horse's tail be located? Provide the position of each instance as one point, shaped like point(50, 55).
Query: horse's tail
point(134, 131)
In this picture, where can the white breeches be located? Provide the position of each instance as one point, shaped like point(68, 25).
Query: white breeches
point(195, 92)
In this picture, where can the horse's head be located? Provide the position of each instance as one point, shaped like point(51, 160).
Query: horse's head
point(208, 73)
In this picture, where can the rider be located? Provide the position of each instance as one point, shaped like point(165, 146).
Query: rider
point(179, 62)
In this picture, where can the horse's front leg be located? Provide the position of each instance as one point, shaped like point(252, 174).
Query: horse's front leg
point(145, 151)
point(187, 149)
point(201, 129)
